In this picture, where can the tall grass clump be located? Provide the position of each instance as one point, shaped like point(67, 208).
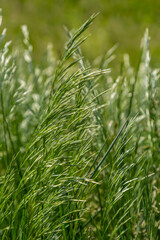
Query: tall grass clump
point(79, 148)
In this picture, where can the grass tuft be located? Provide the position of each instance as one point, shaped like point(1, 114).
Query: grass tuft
point(79, 148)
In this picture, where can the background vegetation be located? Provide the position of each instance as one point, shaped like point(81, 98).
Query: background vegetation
point(121, 22)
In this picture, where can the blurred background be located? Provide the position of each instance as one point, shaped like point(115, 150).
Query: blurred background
point(119, 21)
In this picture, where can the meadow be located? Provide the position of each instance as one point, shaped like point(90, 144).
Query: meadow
point(79, 143)
point(119, 21)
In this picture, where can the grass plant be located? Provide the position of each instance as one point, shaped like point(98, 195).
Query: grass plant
point(79, 148)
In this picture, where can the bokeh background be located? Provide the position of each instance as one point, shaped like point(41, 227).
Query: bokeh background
point(119, 21)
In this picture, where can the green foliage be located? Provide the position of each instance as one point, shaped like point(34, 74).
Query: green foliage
point(79, 149)
point(120, 21)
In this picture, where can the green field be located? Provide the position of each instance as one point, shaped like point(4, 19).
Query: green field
point(79, 139)
point(122, 22)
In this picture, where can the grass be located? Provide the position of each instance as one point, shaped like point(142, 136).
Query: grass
point(121, 22)
point(79, 149)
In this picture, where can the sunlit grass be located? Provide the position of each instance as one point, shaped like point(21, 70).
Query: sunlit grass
point(79, 149)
